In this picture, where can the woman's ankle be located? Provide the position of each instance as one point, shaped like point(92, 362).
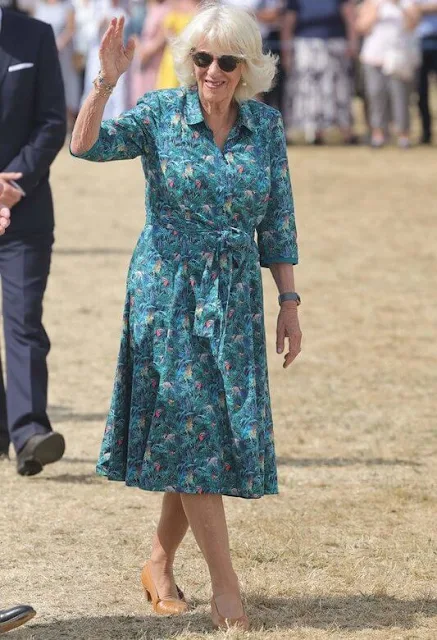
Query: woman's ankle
point(226, 585)
point(162, 561)
point(229, 604)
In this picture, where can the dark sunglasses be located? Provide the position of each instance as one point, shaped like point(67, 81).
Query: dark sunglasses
point(226, 63)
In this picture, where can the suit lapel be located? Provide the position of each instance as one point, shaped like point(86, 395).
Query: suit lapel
point(6, 44)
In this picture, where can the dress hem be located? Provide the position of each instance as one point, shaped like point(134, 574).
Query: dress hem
point(101, 472)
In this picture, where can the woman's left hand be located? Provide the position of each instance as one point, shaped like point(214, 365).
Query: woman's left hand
point(288, 327)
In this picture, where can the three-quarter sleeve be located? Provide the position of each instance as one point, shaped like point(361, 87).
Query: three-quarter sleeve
point(277, 230)
point(127, 136)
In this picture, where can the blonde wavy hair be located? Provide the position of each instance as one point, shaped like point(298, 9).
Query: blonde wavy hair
point(228, 31)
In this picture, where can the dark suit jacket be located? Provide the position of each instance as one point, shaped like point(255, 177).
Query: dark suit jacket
point(32, 117)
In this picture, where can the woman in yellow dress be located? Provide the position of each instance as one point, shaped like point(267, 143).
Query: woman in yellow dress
point(180, 14)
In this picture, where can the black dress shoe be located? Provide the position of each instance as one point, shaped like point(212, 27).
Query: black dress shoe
point(15, 617)
point(426, 139)
point(4, 451)
point(38, 451)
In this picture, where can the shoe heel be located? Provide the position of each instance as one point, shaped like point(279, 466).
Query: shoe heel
point(147, 594)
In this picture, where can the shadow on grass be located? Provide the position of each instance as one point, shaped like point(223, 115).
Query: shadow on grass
point(92, 251)
point(70, 478)
point(116, 628)
point(58, 416)
point(337, 612)
point(69, 460)
point(345, 462)
point(341, 612)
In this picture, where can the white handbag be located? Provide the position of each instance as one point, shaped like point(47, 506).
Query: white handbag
point(403, 60)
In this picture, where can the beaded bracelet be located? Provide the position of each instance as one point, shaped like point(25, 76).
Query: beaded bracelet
point(101, 86)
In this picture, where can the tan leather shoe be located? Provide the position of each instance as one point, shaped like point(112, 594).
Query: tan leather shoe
point(171, 607)
point(220, 622)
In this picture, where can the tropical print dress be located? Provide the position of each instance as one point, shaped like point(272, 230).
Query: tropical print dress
point(190, 410)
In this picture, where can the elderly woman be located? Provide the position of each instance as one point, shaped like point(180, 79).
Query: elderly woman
point(190, 413)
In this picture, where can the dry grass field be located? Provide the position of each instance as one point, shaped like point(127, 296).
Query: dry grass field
point(348, 550)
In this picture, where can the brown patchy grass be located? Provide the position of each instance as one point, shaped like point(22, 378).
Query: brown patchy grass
point(348, 549)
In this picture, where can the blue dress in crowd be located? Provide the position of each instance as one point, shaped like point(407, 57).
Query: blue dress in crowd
point(190, 409)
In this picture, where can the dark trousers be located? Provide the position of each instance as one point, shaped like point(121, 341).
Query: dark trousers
point(429, 64)
point(24, 270)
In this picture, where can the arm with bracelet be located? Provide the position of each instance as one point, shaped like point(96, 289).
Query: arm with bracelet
point(115, 58)
point(277, 242)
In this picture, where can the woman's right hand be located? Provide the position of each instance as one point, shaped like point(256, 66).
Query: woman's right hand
point(115, 58)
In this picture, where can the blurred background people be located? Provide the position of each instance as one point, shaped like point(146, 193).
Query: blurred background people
point(137, 10)
point(427, 32)
point(269, 14)
point(318, 42)
point(60, 15)
point(83, 36)
point(149, 50)
point(179, 15)
point(390, 56)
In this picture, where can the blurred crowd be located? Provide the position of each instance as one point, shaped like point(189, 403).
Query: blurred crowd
point(384, 51)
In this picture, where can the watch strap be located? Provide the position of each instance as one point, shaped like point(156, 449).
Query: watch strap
point(289, 295)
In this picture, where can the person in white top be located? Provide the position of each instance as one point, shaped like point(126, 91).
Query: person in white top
point(390, 55)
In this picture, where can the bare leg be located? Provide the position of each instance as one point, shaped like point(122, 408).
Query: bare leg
point(206, 516)
point(171, 530)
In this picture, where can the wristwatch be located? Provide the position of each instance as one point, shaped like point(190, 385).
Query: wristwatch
point(289, 295)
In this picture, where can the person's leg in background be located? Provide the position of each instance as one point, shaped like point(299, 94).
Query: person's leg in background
point(25, 266)
point(400, 91)
point(429, 65)
point(425, 115)
point(377, 95)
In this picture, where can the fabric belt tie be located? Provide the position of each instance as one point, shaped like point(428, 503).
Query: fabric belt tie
point(214, 292)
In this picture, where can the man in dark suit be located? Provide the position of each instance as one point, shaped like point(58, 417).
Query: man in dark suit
point(32, 131)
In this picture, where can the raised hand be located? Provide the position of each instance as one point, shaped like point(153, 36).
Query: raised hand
point(115, 58)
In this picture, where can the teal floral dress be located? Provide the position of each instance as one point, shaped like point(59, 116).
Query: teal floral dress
point(190, 410)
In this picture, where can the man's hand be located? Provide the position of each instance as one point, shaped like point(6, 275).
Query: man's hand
point(5, 215)
point(9, 196)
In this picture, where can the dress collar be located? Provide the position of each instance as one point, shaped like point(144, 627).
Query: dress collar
point(194, 115)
